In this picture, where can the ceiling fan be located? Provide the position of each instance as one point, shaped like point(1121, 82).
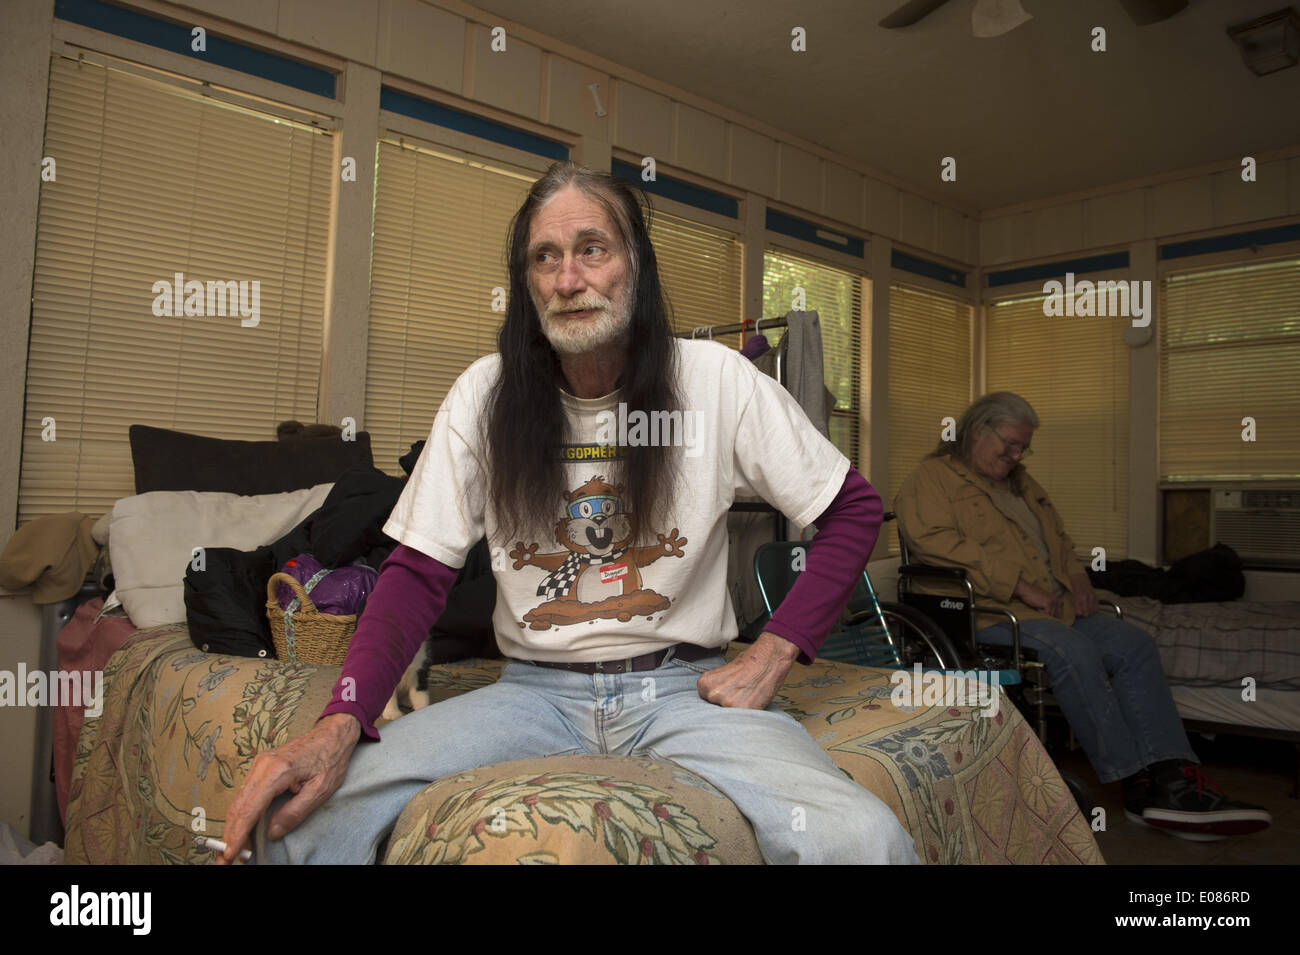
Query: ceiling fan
point(995, 17)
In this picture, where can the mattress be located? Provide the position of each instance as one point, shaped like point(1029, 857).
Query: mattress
point(1220, 644)
point(1271, 709)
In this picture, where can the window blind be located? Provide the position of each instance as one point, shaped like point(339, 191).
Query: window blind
point(837, 296)
point(1230, 350)
point(700, 268)
point(929, 378)
point(438, 253)
point(1074, 372)
point(151, 180)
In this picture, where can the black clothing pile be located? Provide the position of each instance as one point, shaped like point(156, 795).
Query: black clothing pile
point(1205, 577)
point(225, 603)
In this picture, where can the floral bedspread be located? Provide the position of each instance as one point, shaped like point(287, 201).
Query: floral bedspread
point(179, 730)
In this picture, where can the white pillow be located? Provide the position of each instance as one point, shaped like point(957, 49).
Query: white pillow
point(152, 538)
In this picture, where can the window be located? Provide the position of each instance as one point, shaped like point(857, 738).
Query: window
point(1074, 371)
point(441, 222)
point(700, 268)
point(153, 179)
point(1230, 350)
point(929, 377)
point(837, 296)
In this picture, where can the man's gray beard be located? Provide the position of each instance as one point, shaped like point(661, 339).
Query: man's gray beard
point(611, 328)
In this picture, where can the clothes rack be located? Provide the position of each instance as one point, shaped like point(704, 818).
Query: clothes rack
point(708, 331)
point(757, 325)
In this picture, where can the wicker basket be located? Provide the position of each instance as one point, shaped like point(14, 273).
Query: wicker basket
point(316, 637)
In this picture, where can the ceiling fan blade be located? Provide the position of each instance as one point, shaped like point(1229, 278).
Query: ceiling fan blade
point(992, 18)
point(1145, 12)
point(911, 12)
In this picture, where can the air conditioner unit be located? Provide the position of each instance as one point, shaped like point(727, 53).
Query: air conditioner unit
point(1261, 525)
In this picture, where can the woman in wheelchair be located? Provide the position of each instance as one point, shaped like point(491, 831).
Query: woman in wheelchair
point(971, 505)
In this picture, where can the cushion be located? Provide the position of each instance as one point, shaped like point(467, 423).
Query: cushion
point(152, 537)
point(884, 577)
point(174, 461)
point(584, 810)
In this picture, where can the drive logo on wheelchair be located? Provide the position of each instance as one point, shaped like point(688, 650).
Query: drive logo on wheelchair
point(947, 604)
point(975, 688)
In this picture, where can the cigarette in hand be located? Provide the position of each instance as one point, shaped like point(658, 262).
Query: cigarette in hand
point(216, 845)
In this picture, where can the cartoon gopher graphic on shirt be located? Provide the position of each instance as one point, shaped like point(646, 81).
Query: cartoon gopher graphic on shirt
point(597, 574)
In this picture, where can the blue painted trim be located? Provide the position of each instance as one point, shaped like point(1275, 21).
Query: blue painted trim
point(678, 191)
point(396, 101)
point(176, 38)
point(807, 231)
point(1056, 270)
point(1225, 243)
point(910, 263)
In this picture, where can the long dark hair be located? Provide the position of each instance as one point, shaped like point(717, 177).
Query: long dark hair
point(525, 421)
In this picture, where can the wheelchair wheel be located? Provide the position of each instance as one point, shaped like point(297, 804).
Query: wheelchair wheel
point(919, 638)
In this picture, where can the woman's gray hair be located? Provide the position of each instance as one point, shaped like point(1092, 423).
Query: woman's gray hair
point(989, 412)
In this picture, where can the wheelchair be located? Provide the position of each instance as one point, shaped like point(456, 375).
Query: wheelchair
point(956, 613)
point(870, 632)
point(928, 629)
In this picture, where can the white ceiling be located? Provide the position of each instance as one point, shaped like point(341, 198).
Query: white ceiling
point(1029, 114)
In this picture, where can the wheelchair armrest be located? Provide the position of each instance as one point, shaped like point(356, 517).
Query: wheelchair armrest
point(851, 618)
point(1015, 629)
point(925, 570)
point(1112, 607)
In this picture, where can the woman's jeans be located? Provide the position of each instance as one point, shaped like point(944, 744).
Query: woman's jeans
point(802, 807)
point(1106, 677)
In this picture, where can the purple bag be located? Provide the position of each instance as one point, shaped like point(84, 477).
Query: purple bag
point(342, 591)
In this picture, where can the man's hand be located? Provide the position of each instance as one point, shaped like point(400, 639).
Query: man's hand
point(752, 679)
point(1085, 598)
point(313, 766)
point(1040, 600)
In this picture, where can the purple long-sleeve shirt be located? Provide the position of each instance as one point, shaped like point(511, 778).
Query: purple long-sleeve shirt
point(412, 591)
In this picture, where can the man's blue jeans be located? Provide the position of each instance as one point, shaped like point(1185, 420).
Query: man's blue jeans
point(762, 760)
point(1106, 676)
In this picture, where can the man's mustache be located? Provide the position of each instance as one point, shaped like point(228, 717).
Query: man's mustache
point(590, 301)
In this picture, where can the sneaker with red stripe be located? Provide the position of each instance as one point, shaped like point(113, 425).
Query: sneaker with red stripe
point(1185, 802)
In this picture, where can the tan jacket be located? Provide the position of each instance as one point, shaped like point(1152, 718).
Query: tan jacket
point(949, 518)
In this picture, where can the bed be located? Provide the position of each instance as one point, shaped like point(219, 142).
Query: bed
point(179, 728)
point(1233, 666)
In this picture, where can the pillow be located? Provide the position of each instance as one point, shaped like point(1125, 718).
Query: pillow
point(152, 537)
point(175, 461)
point(884, 577)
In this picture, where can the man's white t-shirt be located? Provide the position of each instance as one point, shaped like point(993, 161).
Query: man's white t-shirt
point(576, 591)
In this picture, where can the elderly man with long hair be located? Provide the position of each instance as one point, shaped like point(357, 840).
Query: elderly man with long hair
point(600, 455)
point(971, 504)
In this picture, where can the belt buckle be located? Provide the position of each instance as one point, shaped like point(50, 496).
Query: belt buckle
point(616, 666)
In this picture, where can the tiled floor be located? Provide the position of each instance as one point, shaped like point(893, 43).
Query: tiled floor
point(1249, 770)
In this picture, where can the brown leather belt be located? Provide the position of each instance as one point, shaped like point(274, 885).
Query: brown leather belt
point(647, 661)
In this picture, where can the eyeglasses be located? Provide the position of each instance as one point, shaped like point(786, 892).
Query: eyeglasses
point(1014, 447)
